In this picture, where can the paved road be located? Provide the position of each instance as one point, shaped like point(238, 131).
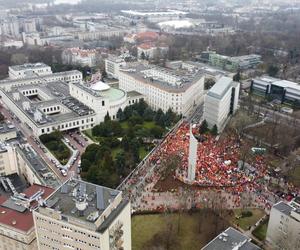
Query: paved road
point(46, 156)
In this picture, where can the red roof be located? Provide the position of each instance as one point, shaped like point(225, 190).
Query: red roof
point(147, 36)
point(18, 220)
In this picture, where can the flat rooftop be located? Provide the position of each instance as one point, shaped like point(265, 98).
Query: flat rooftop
point(38, 166)
point(220, 87)
point(231, 239)
point(75, 194)
point(266, 80)
point(28, 66)
point(49, 94)
point(10, 213)
point(151, 74)
point(7, 128)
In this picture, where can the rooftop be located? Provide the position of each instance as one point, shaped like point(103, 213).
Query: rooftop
point(102, 90)
point(19, 216)
point(28, 66)
point(81, 200)
point(38, 166)
point(46, 95)
point(278, 82)
point(231, 239)
point(171, 80)
point(220, 87)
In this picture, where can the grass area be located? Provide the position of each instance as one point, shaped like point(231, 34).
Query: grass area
point(89, 134)
point(155, 230)
point(142, 152)
point(260, 231)
point(246, 222)
point(147, 125)
point(61, 152)
point(115, 151)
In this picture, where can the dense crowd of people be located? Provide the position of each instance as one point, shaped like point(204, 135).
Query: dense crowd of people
point(217, 160)
point(218, 169)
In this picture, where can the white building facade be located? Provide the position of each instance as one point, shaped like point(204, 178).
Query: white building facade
point(164, 88)
point(284, 226)
point(95, 223)
point(220, 102)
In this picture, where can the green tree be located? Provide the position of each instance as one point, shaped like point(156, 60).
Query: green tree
point(157, 132)
point(237, 77)
point(203, 127)
point(214, 130)
point(272, 70)
point(148, 114)
point(120, 115)
point(107, 117)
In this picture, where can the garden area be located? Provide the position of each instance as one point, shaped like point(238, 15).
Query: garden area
point(260, 231)
point(56, 146)
point(121, 144)
point(246, 218)
point(186, 230)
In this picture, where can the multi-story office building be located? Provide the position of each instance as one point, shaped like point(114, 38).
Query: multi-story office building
point(164, 88)
point(29, 70)
point(81, 215)
point(62, 102)
point(283, 90)
point(232, 63)
point(112, 66)
point(284, 225)
point(16, 220)
point(220, 102)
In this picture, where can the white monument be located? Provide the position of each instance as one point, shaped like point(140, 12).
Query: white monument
point(192, 157)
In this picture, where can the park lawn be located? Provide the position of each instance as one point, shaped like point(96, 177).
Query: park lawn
point(89, 134)
point(247, 222)
point(61, 152)
point(144, 227)
point(261, 231)
point(143, 152)
point(115, 151)
point(147, 125)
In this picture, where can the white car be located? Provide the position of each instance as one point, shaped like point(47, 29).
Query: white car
point(63, 172)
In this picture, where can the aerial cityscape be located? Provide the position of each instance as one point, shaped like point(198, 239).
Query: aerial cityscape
point(149, 125)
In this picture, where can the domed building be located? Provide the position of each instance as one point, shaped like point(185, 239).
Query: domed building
point(103, 98)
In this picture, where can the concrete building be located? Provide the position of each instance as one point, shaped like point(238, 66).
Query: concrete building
point(164, 88)
point(284, 225)
point(220, 102)
point(283, 90)
point(16, 220)
point(150, 50)
point(66, 76)
point(77, 56)
point(8, 161)
point(81, 215)
point(29, 26)
point(112, 66)
point(7, 132)
point(28, 70)
point(231, 239)
point(62, 102)
point(233, 63)
point(103, 98)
